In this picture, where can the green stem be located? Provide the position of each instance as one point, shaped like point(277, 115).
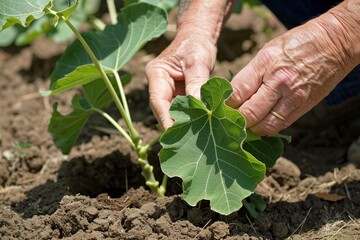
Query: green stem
point(97, 23)
point(148, 174)
point(133, 138)
point(116, 125)
point(133, 133)
point(122, 93)
point(147, 169)
point(150, 144)
point(163, 185)
point(112, 11)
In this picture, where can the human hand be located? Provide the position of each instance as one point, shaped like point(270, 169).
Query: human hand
point(291, 74)
point(186, 64)
point(180, 69)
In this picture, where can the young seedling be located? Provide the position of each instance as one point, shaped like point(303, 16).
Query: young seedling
point(211, 150)
point(18, 151)
point(93, 62)
point(208, 146)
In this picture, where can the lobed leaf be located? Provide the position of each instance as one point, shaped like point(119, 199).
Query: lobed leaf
point(113, 47)
point(36, 29)
point(205, 149)
point(36, 25)
point(266, 149)
point(65, 129)
point(8, 36)
point(21, 12)
point(66, 8)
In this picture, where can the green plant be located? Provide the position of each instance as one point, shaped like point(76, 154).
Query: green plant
point(23, 35)
point(208, 146)
point(93, 62)
point(18, 150)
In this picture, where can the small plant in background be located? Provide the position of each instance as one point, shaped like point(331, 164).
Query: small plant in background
point(18, 151)
point(208, 147)
point(93, 62)
point(22, 35)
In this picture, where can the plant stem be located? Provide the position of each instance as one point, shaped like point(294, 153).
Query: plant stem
point(133, 133)
point(148, 174)
point(112, 11)
point(97, 23)
point(151, 143)
point(116, 125)
point(163, 185)
point(133, 138)
point(122, 93)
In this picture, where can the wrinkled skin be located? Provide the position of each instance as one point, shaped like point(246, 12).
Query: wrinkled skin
point(289, 75)
point(181, 69)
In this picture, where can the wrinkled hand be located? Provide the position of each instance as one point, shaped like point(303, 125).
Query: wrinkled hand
point(289, 76)
point(180, 69)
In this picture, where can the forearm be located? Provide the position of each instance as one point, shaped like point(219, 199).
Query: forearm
point(342, 24)
point(203, 16)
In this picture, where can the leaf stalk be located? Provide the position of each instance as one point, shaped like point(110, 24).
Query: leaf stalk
point(116, 125)
point(112, 11)
point(133, 136)
point(133, 133)
point(122, 93)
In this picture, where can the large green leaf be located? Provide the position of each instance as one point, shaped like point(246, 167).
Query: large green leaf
point(33, 28)
point(36, 29)
point(165, 4)
point(21, 11)
point(266, 149)
point(65, 129)
point(8, 36)
point(204, 147)
point(113, 47)
point(63, 8)
point(25, 12)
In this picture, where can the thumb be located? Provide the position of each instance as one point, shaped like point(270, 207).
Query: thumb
point(195, 76)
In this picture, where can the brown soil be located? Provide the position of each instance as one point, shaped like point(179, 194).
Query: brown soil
point(97, 192)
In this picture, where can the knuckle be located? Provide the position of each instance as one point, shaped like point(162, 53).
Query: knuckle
point(298, 97)
point(299, 94)
point(236, 95)
point(285, 77)
point(266, 55)
point(251, 116)
point(149, 67)
point(269, 129)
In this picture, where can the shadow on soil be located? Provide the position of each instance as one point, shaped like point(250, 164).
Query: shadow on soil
point(78, 176)
point(105, 176)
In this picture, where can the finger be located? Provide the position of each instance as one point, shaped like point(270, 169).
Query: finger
point(196, 74)
point(246, 83)
point(161, 89)
point(259, 105)
point(162, 116)
point(288, 109)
